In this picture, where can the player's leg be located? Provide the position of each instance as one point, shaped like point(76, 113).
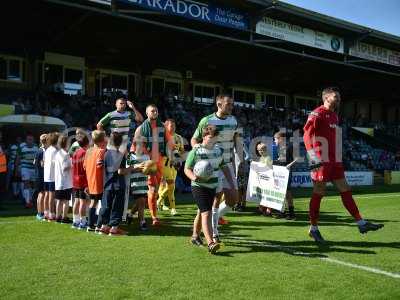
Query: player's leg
point(76, 209)
point(196, 239)
point(151, 202)
point(289, 200)
point(162, 195)
point(351, 206)
point(92, 211)
point(171, 196)
point(141, 203)
point(214, 212)
point(231, 195)
point(314, 208)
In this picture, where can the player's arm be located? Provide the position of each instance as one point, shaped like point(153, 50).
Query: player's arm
point(103, 122)
point(238, 145)
point(100, 162)
point(189, 164)
point(17, 160)
point(138, 115)
point(310, 141)
point(197, 136)
point(139, 141)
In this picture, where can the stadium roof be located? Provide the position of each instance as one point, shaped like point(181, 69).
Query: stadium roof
point(329, 20)
point(143, 42)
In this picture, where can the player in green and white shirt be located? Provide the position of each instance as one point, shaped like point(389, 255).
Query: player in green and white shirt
point(204, 190)
point(138, 188)
point(120, 119)
point(25, 158)
point(228, 127)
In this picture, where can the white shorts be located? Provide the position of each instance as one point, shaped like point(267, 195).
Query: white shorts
point(27, 174)
point(223, 182)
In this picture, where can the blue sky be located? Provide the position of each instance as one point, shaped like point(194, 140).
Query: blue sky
point(383, 15)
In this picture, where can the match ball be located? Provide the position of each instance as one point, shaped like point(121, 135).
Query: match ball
point(203, 169)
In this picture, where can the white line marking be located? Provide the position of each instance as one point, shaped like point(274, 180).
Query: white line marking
point(322, 257)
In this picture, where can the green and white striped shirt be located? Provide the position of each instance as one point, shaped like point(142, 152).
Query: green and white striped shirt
point(227, 129)
point(118, 121)
point(214, 156)
point(12, 155)
point(27, 156)
point(137, 181)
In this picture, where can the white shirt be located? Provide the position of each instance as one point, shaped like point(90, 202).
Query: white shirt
point(48, 157)
point(63, 171)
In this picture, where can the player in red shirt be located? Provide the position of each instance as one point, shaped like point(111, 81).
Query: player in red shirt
point(322, 141)
point(79, 181)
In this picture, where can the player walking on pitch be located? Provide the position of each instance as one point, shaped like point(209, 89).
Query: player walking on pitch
point(321, 139)
point(227, 126)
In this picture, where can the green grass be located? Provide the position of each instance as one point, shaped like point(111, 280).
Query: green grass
point(51, 261)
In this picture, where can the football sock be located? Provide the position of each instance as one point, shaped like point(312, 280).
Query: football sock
point(315, 203)
point(350, 205)
point(214, 220)
point(223, 209)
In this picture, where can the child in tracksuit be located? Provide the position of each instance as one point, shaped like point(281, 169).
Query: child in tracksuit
point(112, 203)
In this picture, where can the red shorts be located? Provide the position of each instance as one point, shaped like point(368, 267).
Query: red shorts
point(328, 172)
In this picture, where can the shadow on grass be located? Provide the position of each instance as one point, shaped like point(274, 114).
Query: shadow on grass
point(304, 248)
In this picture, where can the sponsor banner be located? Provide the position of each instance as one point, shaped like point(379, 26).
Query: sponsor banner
point(300, 35)
point(303, 179)
point(205, 12)
point(375, 53)
point(267, 186)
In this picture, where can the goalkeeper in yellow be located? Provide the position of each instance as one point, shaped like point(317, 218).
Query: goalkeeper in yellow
point(175, 149)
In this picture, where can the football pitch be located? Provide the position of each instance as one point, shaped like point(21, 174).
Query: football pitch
point(262, 258)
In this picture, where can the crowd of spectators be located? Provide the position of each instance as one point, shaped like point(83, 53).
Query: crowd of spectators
point(85, 112)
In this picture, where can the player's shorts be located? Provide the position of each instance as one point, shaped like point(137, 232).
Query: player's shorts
point(328, 172)
point(169, 172)
point(79, 194)
point(39, 185)
point(223, 182)
point(49, 186)
point(134, 197)
point(155, 179)
point(204, 197)
point(63, 194)
point(96, 197)
point(27, 174)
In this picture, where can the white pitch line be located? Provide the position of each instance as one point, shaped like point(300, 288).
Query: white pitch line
point(315, 255)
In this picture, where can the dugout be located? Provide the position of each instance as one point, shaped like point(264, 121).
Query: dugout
point(267, 51)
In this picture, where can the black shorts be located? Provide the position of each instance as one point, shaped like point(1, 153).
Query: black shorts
point(63, 194)
point(133, 198)
point(49, 186)
point(96, 197)
point(39, 185)
point(80, 194)
point(204, 197)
